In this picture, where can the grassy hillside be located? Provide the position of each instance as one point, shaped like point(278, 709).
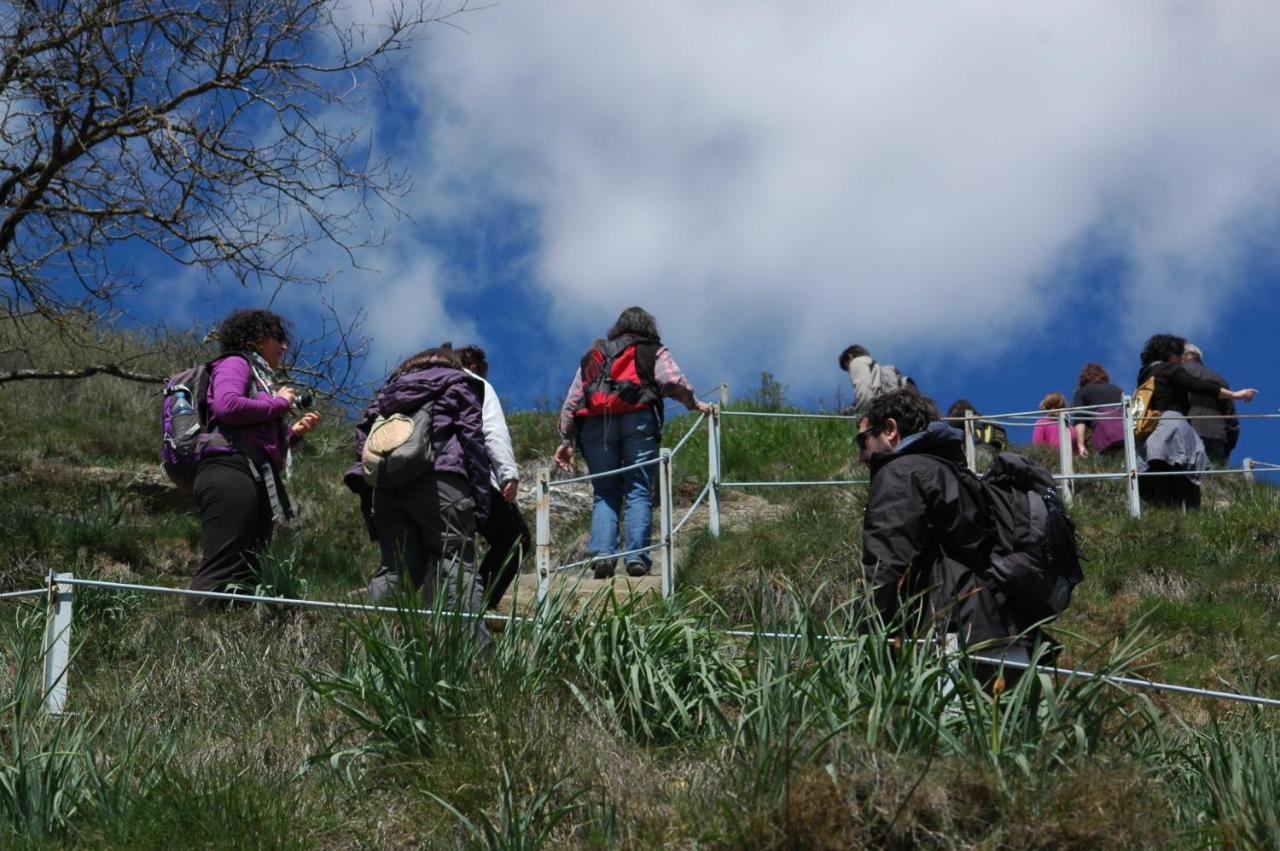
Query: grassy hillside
point(628, 726)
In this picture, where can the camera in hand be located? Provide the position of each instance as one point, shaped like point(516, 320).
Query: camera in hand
point(303, 400)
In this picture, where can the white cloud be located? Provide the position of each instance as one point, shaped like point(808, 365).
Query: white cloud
point(804, 175)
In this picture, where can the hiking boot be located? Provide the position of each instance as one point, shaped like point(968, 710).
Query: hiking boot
point(637, 568)
point(603, 569)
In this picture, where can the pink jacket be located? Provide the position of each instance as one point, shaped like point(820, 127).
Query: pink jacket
point(1046, 432)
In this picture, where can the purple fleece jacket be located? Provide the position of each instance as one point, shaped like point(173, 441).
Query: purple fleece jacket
point(257, 419)
point(457, 431)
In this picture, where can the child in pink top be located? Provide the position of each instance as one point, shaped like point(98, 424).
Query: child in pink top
point(1046, 428)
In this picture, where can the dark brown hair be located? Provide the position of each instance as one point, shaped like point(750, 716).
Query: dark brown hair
point(635, 320)
point(473, 359)
point(243, 330)
point(907, 407)
point(439, 356)
point(1162, 347)
point(1093, 373)
point(854, 351)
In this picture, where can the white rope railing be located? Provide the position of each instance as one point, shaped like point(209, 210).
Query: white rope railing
point(61, 589)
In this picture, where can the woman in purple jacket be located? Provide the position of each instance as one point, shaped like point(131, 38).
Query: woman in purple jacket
point(244, 453)
point(434, 518)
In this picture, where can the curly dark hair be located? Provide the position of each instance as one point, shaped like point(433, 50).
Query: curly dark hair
point(244, 329)
point(473, 358)
point(439, 356)
point(854, 351)
point(911, 411)
point(635, 320)
point(1093, 373)
point(1162, 347)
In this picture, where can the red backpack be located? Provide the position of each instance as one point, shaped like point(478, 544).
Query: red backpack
point(618, 376)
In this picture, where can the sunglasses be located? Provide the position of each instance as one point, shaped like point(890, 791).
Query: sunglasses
point(863, 435)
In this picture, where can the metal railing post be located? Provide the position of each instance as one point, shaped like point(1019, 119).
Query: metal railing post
point(1131, 458)
point(668, 550)
point(542, 547)
point(970, 450)
point(1066, 459)
point(1247, 464)
point(713, 472)
point(57, 643)
point(724, 393)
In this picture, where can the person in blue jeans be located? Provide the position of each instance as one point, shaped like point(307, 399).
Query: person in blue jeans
point(613, 412)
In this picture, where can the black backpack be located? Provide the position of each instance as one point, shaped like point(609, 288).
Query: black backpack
point(1034, 559)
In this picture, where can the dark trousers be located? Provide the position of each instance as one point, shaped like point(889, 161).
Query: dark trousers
point(1172, 491)
point(426, 531)
point(1217, 451)
point(236, 522)
point(507, 534)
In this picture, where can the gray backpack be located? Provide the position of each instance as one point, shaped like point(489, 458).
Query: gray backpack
point(886, 378)
point(398, 449)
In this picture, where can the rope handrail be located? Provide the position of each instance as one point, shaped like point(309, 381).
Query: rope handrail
point(555, 483)
point(610, 557)
point(799, 415)
point(706, 489)
point(293, 602)
point(1053, 670)
point(1036, 413)
point(652, 461)
point(688, 434)
point(1134, 682)
point(16, 595)
point(794, 484)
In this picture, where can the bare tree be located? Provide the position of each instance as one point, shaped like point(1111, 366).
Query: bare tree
point(215, 133)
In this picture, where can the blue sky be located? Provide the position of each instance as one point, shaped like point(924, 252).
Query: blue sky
point(987, 195)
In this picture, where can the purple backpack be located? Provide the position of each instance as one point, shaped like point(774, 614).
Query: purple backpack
point(184, 415)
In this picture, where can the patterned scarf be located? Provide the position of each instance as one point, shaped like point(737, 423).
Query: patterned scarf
point(266, 377)
point(263, 372)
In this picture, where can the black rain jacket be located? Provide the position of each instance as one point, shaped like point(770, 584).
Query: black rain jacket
point(926, 531)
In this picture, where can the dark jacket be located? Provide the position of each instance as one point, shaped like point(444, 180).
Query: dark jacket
point(1107, 423)
point(1174, 386)
point(926, 528)
point(1209, 404)
point(457, 431)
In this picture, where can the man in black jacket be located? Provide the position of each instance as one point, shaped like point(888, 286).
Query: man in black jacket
point(1219, 435)
point(926, 532)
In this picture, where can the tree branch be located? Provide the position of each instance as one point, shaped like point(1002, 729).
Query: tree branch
point(79, 372)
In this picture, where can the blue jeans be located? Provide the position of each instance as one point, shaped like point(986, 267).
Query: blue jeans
point(609, 443)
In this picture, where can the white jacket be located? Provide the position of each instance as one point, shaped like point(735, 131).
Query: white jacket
point(497, 438)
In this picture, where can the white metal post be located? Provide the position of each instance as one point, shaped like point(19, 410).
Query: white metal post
point(57, 643)
point(1131, 458)
point(542, 546)
point(1248, 469)
point(970, 451)
point(713, 472)
point(1066, 458)
point(669, 551)
point(724, 394)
